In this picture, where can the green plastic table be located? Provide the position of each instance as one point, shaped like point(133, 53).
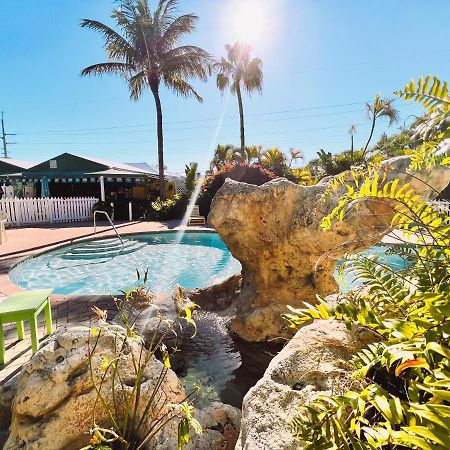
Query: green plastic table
point(25, 306)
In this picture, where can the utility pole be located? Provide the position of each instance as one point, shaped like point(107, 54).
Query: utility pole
point(3, 137)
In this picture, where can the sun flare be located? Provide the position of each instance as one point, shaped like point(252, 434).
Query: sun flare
point(250, 21)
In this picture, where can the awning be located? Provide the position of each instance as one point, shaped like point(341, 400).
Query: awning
point(120, 173)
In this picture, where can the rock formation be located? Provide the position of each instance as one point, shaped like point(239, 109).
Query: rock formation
point(316, 361)
point(52, 408)
point(274, 231)
point(52, 398)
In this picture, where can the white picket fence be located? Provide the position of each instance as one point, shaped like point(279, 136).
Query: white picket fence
point(442, 206)
point(21, 211)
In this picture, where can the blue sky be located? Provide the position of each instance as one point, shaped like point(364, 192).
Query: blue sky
point(323, 59)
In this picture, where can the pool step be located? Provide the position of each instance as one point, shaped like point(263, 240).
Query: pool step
point(106, 250)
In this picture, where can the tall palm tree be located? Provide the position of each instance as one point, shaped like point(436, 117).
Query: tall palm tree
point(379, 108)
point(144, 51)
point(239, 71)
point(352, 131)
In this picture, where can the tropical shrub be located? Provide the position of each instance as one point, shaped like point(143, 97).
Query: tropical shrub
point(251, 174)
point(135, 419)
point(406, 400)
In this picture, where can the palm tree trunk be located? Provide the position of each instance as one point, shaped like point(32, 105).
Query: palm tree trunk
point(241, 116)
point(351, 152)
point(370, 135)
point(159, 127)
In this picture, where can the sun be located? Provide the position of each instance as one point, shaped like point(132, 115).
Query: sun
point(250, 21)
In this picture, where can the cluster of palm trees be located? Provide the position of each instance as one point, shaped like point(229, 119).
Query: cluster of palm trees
point(145, 51)
point(272, 159)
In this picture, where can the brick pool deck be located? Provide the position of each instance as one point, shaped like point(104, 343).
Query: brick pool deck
point(67, 310)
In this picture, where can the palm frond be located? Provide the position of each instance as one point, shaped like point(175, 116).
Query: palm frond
point(175, 30)
point(137, 84)
point(181, 87)
point(222, 81)
point(253, 76)
point(115, 44)
point(117, 68)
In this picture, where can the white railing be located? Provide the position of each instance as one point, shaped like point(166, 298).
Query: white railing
point(443, 206)
point(21, 211)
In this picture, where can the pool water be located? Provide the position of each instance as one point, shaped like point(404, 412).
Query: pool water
point(104, 266)
point(385, 258)
point(222, 365)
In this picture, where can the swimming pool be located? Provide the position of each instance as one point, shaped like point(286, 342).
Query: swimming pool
point(104, 266)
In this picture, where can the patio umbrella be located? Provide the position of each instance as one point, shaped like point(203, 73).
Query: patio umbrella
point(45, 191)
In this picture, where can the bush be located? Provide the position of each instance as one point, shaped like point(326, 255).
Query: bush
point(170, 209)
point(251, 174)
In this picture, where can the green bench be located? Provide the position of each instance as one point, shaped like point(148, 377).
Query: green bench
point(25, 306)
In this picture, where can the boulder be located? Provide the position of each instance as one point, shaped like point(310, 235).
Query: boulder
point(53, 406)
point(274, 230)
point(316, 361)
point(220, 424)
point(220, 430)
point(7, 393)
point(218, 297)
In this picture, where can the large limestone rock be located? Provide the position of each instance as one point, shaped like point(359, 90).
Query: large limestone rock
point(274, 231)
point(52, 409)
point(316, 361)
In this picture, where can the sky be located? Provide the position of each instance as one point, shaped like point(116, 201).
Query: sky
point(322, 61)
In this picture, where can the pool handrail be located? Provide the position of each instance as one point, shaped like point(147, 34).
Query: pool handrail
point(110, 221)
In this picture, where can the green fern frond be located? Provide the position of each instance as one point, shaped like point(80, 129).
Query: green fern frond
point(431, 93)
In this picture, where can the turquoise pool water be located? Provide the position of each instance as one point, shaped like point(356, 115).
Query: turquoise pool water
point(104, 266)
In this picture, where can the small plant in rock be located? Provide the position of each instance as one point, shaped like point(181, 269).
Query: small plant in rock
point(136, 406)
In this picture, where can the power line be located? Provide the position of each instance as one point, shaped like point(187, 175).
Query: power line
point(279, 119)
point(194, 120)
point(147, 141)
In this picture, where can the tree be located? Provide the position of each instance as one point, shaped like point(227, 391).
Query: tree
point(223, 155)
point(249, 155)
point(144, 51)
point(352, 132)
point(275, 160)
point(191, 176)
point(379, 108)
point(237, 71)
point(294, 155)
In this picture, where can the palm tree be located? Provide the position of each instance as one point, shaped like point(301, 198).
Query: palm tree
point(275, 160)
point(248, 154)
point(380, 107)
point(295, 154)
point(253, 153)
point(352, 132)
point(144, 51)
point(224, 154)
point(239, 70)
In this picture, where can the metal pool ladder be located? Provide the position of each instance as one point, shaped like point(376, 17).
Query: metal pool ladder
point(110, 221)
